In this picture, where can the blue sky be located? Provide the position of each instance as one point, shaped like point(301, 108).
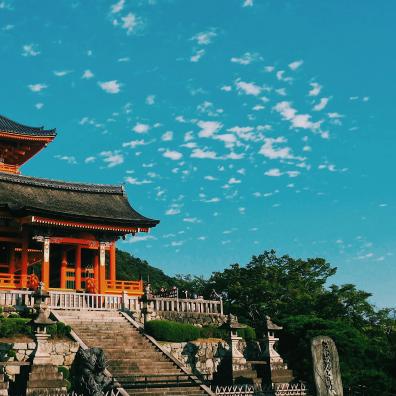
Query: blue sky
point(243, 125)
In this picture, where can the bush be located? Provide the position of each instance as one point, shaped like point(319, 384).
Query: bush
point(247, 333)
point(10, 327)
point(166, 330)
point(59, 329)
point(213, 332)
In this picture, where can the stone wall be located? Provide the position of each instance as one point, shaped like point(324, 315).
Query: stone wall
point(204, 356)
point(62, 351)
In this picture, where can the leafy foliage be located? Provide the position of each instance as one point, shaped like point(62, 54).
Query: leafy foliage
point(166, 330)
point(9, 327)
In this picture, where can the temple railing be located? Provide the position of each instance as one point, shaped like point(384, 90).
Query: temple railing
point(119, 286)
point(11, 281)
point(61, 299)
point(187, 305)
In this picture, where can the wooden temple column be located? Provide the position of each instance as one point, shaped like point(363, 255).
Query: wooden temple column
point(63, 269)
point(11, 264)
point(112, 264)
point(102, 268)
point(95, 265)
point(24, 258)
point(78, 268)
point(45, 276)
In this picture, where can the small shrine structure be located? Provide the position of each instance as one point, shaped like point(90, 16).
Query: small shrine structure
point(60, 233)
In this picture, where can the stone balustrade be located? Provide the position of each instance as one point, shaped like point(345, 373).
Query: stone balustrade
point(72, 300)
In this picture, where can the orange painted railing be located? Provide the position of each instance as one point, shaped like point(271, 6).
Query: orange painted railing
point(9, 168)
point(11, 281)
point(118, 286)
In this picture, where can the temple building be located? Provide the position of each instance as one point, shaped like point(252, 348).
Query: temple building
point(63, 234)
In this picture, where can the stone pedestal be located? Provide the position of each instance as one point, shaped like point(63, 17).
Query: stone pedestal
point(41, 355)
point(45, 380)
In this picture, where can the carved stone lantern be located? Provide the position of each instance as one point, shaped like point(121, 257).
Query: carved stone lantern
point(279, 372)
point(146, 299)
point(40, 324)
point(237, 357)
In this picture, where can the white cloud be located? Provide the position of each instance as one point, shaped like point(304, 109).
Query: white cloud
point(136, 182)
point(130, 22)
point(62, 73)
point(167, 136)
point(211, 178)
point(140, 238)
point(37, 87)
point(112, 158)
point(233, 180)
point(208, 128)
point(274, 172)
point(248, 88)
point(150, 100)
point(247, 3)
point(67, 158)
point(30, 50)
point(212, 200)
point(203, 154)
point(173, 155)
point(246, 58)
point(197, 55)
point(90, 160)
point(141, 128)
point(172, 211)
point(297, 120)
point(111, 87)
point(193, 220)
point(117, 7)
point(296, 64)
point(39, 106)
point(134, 143)
point(234, 156)
point(204, 38)
point(322, 104)
point(226, 88)
point(87, 74)
point(316, 88)
point(270, 151)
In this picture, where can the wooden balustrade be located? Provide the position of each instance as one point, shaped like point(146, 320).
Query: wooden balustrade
point(11, 281)
point(130, 287)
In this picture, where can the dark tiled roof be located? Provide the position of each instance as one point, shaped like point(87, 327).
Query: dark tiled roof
point(90, 202)
point(7, 125)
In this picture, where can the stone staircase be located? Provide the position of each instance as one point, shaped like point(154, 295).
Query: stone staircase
point(133, 359)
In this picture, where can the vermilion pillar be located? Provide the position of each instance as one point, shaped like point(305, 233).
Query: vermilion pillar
point(11, 267)
point(78, 268)
point(24, 258)
point(46, 263)
point(102, 268)
point(63, 269)
point(96, 269)
point(112, 264)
